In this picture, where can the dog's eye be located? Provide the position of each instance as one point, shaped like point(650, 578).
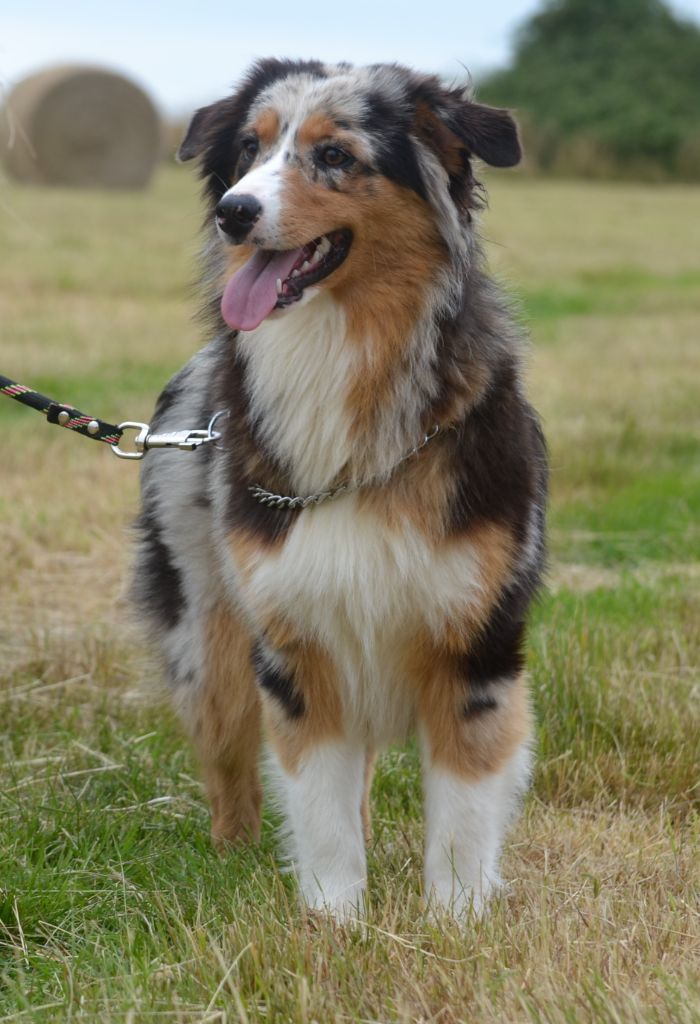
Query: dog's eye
point(249, 149)
point(332, 156)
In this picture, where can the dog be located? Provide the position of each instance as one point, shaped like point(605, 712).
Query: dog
point(353, 561)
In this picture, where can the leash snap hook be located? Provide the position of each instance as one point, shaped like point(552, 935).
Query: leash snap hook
point(184, 440)
point(140, 441)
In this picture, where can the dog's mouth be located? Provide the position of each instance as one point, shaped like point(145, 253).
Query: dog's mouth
point(275, 279)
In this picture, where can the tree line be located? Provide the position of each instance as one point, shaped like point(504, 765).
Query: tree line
point(605, 88)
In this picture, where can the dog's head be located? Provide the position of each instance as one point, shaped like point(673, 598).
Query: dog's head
point(322, 177)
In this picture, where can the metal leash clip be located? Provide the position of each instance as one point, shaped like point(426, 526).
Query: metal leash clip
point(183, 440)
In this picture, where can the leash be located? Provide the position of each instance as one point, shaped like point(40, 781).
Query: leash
point(184, 440)
point(110, 433)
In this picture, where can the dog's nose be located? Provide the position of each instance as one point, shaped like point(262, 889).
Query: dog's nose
point(236, 215)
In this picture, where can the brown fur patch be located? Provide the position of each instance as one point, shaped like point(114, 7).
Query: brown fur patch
point(248, 549)
point(226, 731)
point(471, 746)
point(316, 127)
point(314, 678)
point(279, 632)
point(494, 547)
point(267, 126)
point(420, 493)
point(437, 136)
point(396, 255)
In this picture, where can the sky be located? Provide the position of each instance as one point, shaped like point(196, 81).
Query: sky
point(189, 53)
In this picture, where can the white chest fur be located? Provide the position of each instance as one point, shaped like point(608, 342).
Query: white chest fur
point(361, 589)
point(298, 369)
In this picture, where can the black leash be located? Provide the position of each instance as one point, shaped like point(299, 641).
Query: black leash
point(62, 415)
point(99, 430)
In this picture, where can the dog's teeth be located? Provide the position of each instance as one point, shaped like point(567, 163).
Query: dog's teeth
point(295, 273)
point(278, 285)
point(305, 266)
point(316, 256)
point(325, 246)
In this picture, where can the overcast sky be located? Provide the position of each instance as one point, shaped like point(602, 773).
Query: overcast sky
point(188, 53)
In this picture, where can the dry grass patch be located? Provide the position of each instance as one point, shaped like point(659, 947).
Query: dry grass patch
point(113, 906)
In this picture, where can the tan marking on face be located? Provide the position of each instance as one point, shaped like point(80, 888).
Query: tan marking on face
point(479, 745)
point(226, 730)
point(390, 269)
point(267, 126)
point(317, 126)
point(314, 676)
point(396, 255)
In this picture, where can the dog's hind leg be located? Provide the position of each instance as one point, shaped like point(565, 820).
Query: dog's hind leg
point(224, 719)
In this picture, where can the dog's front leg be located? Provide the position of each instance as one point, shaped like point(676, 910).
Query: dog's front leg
point(476, 757)
point(322, 775)
point(322, 800)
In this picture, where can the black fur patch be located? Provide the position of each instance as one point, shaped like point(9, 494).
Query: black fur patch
point(279, 685)
point(218, 143)
point(158, 581)
point(500, 458)
point(397, 158)
point(479, 704)
point(498, 653)
point(247, 462)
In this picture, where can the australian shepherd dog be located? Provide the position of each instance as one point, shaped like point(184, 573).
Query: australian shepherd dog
point(354, 559)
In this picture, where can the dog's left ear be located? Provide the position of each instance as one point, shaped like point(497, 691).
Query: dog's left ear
point(456, 128)
point(197, 134)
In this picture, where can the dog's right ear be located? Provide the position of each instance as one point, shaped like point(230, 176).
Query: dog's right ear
point(197, 134)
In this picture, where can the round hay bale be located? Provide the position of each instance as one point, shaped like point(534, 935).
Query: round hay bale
point(80, 126)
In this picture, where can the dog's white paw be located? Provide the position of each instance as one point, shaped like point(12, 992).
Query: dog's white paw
point(345, 904)
point(462, 902)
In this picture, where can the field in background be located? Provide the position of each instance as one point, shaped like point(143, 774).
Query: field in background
point(112, 905)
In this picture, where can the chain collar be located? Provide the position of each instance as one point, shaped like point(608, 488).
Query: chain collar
point(290, 502)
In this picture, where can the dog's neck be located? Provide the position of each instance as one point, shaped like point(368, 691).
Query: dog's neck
point(325, 403)
point(297, 368)
point(328, 404)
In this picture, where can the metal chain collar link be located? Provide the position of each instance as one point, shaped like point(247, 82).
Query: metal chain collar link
point(291, 502)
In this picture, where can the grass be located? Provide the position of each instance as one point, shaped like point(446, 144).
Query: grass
point(113, 907)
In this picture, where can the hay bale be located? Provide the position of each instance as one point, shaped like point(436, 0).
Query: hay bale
point(80, 126)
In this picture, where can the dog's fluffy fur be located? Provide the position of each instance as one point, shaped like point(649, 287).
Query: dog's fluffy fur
point(399, 605)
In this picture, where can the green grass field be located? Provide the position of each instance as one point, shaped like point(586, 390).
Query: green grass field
point(113, 907)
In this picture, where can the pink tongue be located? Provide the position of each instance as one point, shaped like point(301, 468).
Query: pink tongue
point(251, 294)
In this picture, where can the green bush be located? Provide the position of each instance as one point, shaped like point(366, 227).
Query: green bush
point(606, 88)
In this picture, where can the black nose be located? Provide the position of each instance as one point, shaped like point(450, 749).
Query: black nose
point(236, 215)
